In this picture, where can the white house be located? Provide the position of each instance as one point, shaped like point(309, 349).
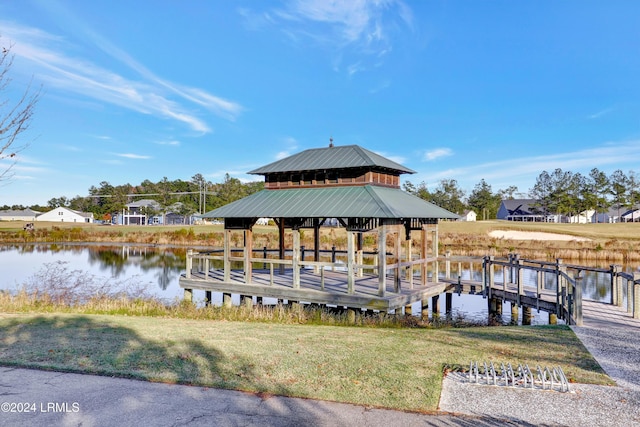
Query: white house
point(62, 214)
point(584, 217)
point(469, 215)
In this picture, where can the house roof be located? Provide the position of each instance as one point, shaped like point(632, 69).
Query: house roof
point(335, 157)
point(367, 201)
point(143, 202)
point(21, 212)
point(519, 206)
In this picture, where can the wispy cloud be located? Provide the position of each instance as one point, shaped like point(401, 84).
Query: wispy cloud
point(524, 170)
point(601, 113)
point(362, 27)
point(437, 153)
point(148, 94)
point(171, 142)
point(291, 145)
point(133, 156)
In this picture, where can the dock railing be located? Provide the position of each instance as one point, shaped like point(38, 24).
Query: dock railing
point(204, 260)
point(544, 281)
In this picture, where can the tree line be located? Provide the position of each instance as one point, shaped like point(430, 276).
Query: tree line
point(557, 192)
point(183, 197)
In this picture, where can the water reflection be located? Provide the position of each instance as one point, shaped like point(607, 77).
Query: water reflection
point(161, 266)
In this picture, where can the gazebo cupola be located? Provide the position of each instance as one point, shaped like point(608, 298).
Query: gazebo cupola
point(349, 165)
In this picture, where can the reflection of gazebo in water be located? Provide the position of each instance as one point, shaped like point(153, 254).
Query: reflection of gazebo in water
point(359, 189)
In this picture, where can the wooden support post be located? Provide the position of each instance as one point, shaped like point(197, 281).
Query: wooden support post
point(226, 300)
point(188, 295)
point(423, 255)
point(316, 243)
point(397, 277)
point(350, 262)
point(436, 265)
point(227, 255)
point(281, 248)
point(407, 256)
point(246, 301)
point(258, 300)
point(248, 253)
point(498, 307)
point(553, 319)
point(207, 298)
point(408, 310)
point(351, 316)
point(424, 309)
point(295, 258)
point(189, 263)
point(526, 315)
point(359, 254)
point(448, 304)
point(514, 314)
point(435, 307)
point(382, 260)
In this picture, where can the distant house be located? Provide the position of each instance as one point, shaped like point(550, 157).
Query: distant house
point(584, 217)
point(141, 212)
point(19, 215)
point(63, 214)
point(632, 215)
point(469, 215)
point(519, 210)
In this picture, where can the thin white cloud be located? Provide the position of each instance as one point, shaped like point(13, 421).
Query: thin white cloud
point(133, 156)
point(437, 153)
point(150, 94)
point(171, 142)
point(601, 113)
point(524, 170)
point(362, 27)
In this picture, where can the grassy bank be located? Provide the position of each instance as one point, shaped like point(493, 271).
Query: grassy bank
point(382, 367)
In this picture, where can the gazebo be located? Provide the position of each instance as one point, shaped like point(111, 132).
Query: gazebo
point(348, 185)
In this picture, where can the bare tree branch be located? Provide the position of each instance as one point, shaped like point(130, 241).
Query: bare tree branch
point(14, 118)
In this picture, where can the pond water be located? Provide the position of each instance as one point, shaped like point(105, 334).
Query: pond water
point(158, 270)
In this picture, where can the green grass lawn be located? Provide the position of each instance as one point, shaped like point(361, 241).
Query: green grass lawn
point(381, 367)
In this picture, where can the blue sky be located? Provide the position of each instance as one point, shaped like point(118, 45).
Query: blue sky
point(463, 90)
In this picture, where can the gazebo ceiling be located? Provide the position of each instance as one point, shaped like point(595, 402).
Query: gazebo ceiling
point(366, 201)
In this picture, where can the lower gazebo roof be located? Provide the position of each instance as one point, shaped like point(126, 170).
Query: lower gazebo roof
point(365, 201)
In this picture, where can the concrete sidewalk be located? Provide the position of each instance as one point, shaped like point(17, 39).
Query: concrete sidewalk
point(64, 399)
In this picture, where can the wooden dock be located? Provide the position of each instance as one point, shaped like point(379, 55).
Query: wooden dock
point(326, 287)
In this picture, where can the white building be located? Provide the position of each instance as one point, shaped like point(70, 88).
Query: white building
point(65, 215)
point(469, 215)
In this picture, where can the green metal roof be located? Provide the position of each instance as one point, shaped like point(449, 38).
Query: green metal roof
point(367, 201)
point(348, 156)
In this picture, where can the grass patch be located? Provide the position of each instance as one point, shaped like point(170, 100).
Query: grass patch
point(381, 367)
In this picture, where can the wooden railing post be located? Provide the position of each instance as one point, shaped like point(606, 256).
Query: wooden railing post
point(630, 295)
point(189, 263)
point(559, 288)
point(636, 295)
point(447, 264)
point(577, 299)
point(492, 274)
point(520, 279)
point(613, 270)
